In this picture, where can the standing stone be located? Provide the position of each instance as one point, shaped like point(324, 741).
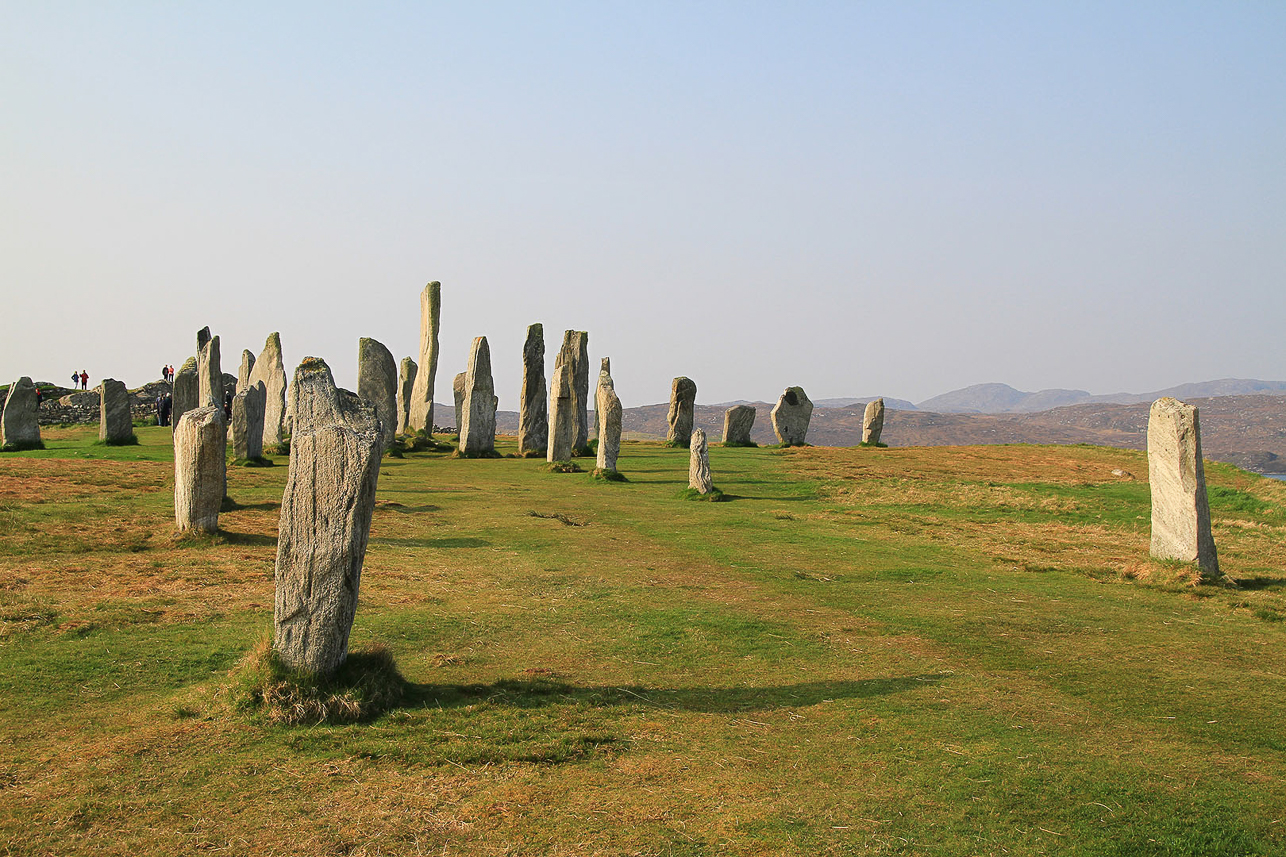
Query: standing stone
point(20, 424)
point(209, 372)
point(873, 422)
point(377, 383)
point(607, 409)
point(405, 384)
point(575, 355)
point(457, 391)
point(683, 394)
point(200, 468)
point(247, 366)
point(737, 423)
point(272, 372)
point(1180, 508)
point(325, 520)
point(699, 463)
point(533, 410)
point(115, 422)
point(478, 426)
point(187, 390)
point(791, 415)
point(247, 423)
point(422, 392)
point(562, 414)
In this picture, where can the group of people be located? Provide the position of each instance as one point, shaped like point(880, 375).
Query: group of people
point(82, 378)
point(167, 374)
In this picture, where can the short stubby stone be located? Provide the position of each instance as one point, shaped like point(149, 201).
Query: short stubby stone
point(562, 415)
point(457, 392)
point(791, 415)
point(325, 520)
point(737, 423)
point(478, 417)
point(247, 423)
point(209, 372)
point(699, 463)
point(20, 423)
point(377, 383)
point(1180, 507)
point(683, 396)
point(200, 468)
point(873, 421)
point(187, 390)
point(243, 373)
point(115, 422)
point(421, 411)
point(607, 410)
point(533, 409)
point(405, 385)
point(271, 371)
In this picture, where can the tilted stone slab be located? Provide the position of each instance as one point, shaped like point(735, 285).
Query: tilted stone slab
point(737, 423)
point(421, 412)
point(247, 423)
point(20, 423)
point(1180, 507)
point(699, 463)
point(325, 520)
point(405, 385)
point(683, 395)
point(478, 426)
point(791, 415)
point(533, 409)
point(115, 422)
point(377, 383)
point(187, 390)
point(200, 468)
point(873, 421)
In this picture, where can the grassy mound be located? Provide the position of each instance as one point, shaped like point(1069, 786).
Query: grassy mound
point(608, 474)
point(563, 467)
point(488, 453)
point(877, 445)
point(367, 685)
point(732, 444)
point(715, 495)
point(253, 462)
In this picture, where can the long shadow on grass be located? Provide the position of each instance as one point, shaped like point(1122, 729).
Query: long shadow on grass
point(248, 539)
point(1261, 582)
point(535, 693)
point(459, 542)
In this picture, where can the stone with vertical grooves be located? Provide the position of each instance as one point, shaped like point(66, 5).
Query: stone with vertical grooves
point(20, 424)
point(457, 392)
point(187, 391)
point(421, 411)
point(607, 410)
point(271, 371)
point(1180, 507)
point(247, 422)
point(683, 395)
point(533, 409)
point(200, 474)
point(737, 423)
point(325, 520)
point(209, 372)
point(699, 463)
point(873, 421)
point(115, 422)
point(791, 415)
point(478, 424)
point(243, 372)
point(562, 414)
point(405, 384)
point(377, 383)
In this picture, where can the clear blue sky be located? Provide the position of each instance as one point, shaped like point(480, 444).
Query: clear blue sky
point(862, 198)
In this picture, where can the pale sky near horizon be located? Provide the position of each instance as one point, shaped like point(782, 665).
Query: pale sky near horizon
point(863, 198)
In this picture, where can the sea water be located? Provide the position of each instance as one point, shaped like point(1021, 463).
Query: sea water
point(1281, 476)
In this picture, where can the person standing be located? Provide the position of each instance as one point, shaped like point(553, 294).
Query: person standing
point(75, 378)
point(84, 380)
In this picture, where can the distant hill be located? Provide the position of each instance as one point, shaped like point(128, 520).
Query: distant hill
point(1004, 399)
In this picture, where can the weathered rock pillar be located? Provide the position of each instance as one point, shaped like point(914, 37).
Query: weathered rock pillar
point(247, 423)
point(683, 396)
point(873, 421)
point(243, 372)
point(791, 415)
point(533, 410)
point(325, 520)
point(607, 409)
point(405, 384)
point(478, 428)
point(272, 372)
point(457, 391)
point(200, 468)
point(20, 424)
point(737, 423)
point(562, 414)
point(115, 422)
point(421, 414)
point(209, 371)
point(699, 463)
point(1180, 508)
point(187, 391)
point(377, 383)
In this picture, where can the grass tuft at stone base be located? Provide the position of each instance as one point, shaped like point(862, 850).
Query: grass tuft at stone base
point(368, 684)
point(282, 448)
point(18, 446)
point(490, 453)
point(740, 443)
point(563, 467)
point(132, 440)
point(877, 445)
point(715, 495)
point(608, 475)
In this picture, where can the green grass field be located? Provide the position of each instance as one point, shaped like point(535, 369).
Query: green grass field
point(889, 651)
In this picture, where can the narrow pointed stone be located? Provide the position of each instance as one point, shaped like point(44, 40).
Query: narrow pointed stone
point(243, 372)
point(421, 412)
point(478, 427)
point(270, 369)
point(377, 383)
point(533, 410)
point(405, 385)
point(457, 392)
point(1180, 507)
point(209, 371)
point(607, 410)
point(187, 391)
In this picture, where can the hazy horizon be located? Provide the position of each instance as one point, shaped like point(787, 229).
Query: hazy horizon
point(896, 199)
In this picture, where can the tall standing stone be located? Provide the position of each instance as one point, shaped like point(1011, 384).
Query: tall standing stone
point(115, 422)
point(574, 354)
point(422, 392)
point(699, 463)
point(377, 383)
point(20, 424)
point(247, 423)
point(187, 391)
point(272, 372)
point(562, 414)
point(405, 384)
point(243, 373)
point(1180, 508)
point(791, 415)
point(607, 409)
point(457, 392)
point(737, 423)
point(200, 468)
point(873, 421)
point(683, 395)
point(533, 410)
point(209, 372)
point(478, 426)
point(325, 520)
